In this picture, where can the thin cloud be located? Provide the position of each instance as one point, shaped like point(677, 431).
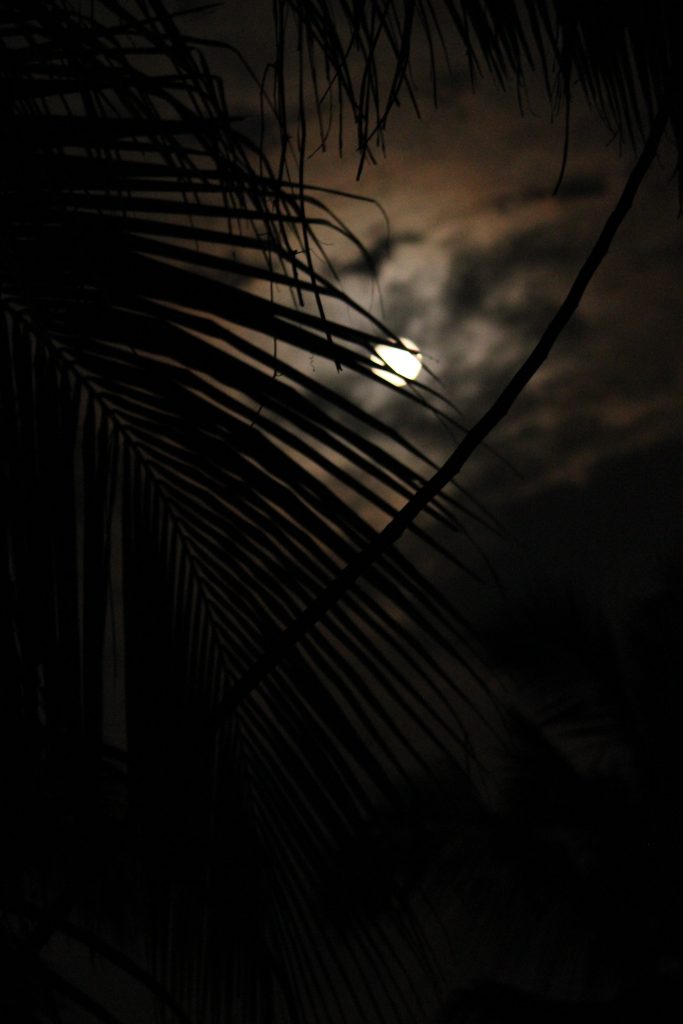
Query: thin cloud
point(577, 187)
point(377, 255)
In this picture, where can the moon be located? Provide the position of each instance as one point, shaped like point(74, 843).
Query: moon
point(397, 365)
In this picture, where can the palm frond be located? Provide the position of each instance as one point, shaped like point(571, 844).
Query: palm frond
point(624, 59)
point(172, 507)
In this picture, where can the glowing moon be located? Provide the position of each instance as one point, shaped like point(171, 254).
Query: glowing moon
point(399, 365)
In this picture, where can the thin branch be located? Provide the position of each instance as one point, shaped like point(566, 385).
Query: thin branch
point(384, 540)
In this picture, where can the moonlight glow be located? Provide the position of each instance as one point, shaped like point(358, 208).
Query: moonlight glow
point(399, 365)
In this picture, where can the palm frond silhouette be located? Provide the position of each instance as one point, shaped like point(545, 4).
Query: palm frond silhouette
point(187, 742)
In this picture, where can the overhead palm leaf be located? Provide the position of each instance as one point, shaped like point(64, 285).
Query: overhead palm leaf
point(624, 59)
point(173, 507)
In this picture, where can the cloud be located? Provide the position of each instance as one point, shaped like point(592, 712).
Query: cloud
point(585, 187)
point(575, 187)
point(481, 259)
point(499, 279)
point(478, 302)
point(377, 255)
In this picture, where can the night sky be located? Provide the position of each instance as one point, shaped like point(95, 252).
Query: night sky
point(477, 256)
